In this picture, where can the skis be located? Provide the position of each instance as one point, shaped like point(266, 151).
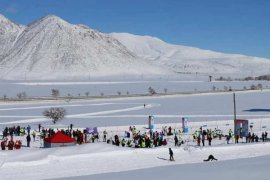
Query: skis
point(165, 159)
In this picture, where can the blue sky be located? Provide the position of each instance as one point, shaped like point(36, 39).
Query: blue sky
point(231, 26)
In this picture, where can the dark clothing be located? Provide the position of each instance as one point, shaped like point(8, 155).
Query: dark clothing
point(171, 154)
point(175, 140)
point(28, 139)
point(210, 158)
point(71, 126)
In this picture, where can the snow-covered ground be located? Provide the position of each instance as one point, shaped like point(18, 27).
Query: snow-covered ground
point(130, 111)
point(98, 158)
point(115, 115)
point(247, 168)
point(95, 88)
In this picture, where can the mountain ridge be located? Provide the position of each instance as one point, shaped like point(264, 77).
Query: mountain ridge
point(52, 48)
point(187, 59)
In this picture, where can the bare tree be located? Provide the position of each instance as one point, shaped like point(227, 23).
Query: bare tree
point(21, 95)
point(165, 90)
point(55, 114)
point(210, 78)
point(55, 93)
point(119, 93)
point(260, 86)
point(101, 94)
point(253, 87)
point(151, 91)
point(87, 93)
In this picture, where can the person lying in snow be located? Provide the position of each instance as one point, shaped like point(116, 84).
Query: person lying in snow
point(210, 158)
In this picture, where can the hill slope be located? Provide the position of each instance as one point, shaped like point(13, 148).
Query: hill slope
point(51, 48)
point(185, 59)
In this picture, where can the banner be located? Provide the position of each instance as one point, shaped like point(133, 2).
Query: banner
point(185, 124)
point(241, 127)
point(91, 130)
point(151, 122)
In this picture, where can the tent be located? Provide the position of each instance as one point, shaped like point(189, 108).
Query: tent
point(58, 140)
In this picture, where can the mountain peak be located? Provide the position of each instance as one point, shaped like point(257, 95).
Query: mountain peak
point(53, 18)
point(3, 18)
point(7, 25)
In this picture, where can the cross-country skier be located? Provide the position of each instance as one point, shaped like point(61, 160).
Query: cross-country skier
point(210, 158)
point(171, 154)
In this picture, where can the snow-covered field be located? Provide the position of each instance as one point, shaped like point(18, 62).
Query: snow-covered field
point(130, 111)
point(100, 160)
point(95, 88)
point(247, 168)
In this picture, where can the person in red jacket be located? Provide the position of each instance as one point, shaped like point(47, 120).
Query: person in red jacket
point(3, 144)
point(10, 145)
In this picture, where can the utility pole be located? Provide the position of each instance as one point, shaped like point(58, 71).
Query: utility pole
point(234, 106)
point(234, 109)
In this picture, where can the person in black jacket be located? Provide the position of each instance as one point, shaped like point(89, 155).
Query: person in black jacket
point(210, 158)
point(171, 154)
point(175, 140)
point(28, 139)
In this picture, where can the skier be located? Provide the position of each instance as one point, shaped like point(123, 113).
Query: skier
point(39, 126)
point(34, 135)
point(28, 139)
point(203, 139)
point(171, 154)
point(263, 136)
point(71, 126)
point(104, 135)
point(175, 140)
point(210, 140)
point(28, 129)
point(3, 144)
point(210, 158)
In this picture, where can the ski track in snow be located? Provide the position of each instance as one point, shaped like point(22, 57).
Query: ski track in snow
point(62, 105)
point(81, 115)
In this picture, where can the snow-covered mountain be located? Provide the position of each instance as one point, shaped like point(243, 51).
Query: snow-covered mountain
point(185, 59)
point(51, 48)
point(9, 31)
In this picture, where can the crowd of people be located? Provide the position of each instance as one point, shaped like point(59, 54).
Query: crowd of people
point(8, 137)
point(200, 136)
point(134, 138)
point(81, 136)
point(131, 137)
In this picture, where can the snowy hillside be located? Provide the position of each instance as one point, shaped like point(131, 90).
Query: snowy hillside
point(9, 31)
point(185, 59)
point(51, 48)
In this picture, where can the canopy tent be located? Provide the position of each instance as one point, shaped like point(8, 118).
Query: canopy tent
point(59, 139)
